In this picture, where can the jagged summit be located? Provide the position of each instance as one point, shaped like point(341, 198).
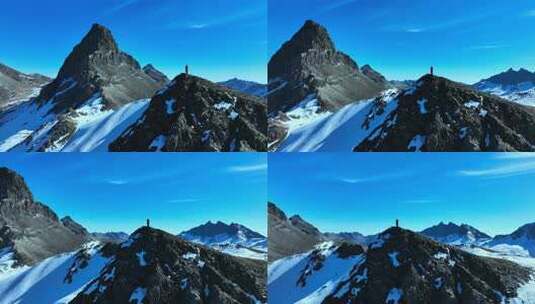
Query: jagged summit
point(437, 114)
point(13, 187)
point(414, 269)
point(308, 64)
point(211, 229)
point(31, 229)
point(97, 67)
point(510, 77)
point(157, 75)
point(194, 114)
point(161, 268)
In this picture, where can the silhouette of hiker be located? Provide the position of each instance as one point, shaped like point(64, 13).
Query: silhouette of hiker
point(148, 223)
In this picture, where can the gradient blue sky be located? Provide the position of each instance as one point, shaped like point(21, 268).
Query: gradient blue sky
point(465, 40)
point(366, 192)
point(219, 39)
point(177, 191)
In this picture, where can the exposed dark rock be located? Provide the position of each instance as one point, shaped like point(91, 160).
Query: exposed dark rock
point(194, 114)
point(440, 115)
point(442, 230)
point(510, 77)
point(31, 228)
point(310, 64)
point(15, 85)
point(155, 74)
point(289, 236)
point(168, 269)
point(97, 66)
point(421, 270)
point(373, 75)
point(212, 229)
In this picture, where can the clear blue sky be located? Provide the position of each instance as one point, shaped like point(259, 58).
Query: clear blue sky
point(177, 191)
point(464, 40)
point(366, 192)
point(219, 39)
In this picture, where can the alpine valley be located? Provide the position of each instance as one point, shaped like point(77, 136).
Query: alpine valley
point(445, 263)
point(320, 99)
point(103, 100)
point(44, 259)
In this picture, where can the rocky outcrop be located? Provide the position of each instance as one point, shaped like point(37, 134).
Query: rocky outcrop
point(156, 267)
point(310, 64)
point(15, 85)
point(194, 114)
point(96, 66)
point(440, 115)
point(453, 233)
point(406, 267)
point(30, 228)
point(289, 236)
point(155, 74)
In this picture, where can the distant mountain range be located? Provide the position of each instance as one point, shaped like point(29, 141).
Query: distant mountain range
point(321, 100)
point(446, 263)
point(102, 100)
point(517, 86)
point(234, 239)
point(16, 86)
point(44, 259)
point(247, 87)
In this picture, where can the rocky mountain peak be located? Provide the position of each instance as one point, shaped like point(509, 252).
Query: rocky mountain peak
point(155, 74)
point(168, 269)
point(309, 63)
point(97, 68)
point(311, 36)
point(194, 114)
point(373, 74)
point(13, 187)
point(399, 260)
point(211, 229)
point(510, 77)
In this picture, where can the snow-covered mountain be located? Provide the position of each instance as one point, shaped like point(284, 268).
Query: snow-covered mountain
point(98, 92)
point(289, 236)
point(149, 267)
point(112, 237)
point(57, 279)
point(245, 86)
point(517, 86)
point(435, 115)
point(29, 230)
point(399, 267)
point(521, 241)
point(194, 114)
point(309, 64)
point(16, 86)
point(454, 234)
point(234, 239)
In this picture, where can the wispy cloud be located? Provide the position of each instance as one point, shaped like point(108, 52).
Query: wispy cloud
point(501, 171)
point(333, 4)
point(375, 178)
point(218, 21)
point(530, 13)
point(121, 5)
point(184, 200)
point(420, 201)
point(116, 181)
point(490, 46)
point(248, 168)
point(414, 30)
point(515, 155)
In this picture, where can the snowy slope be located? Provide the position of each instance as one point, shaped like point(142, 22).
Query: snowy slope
point(522, 93)
point(526, 293)
point(95, 126)
point(47, 281)
point(311, 131)
point(309, 278)
point(238, 245)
